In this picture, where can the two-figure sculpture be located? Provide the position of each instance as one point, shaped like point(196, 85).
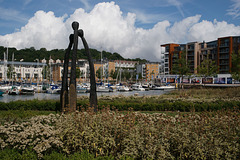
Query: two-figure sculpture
point(68, 98)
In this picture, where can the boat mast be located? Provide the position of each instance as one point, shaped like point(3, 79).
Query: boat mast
point(102, 67)
point(5, 65)
point(12, 66)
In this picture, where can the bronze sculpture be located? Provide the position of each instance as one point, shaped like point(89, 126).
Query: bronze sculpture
point(93, 93)
point(68, 99)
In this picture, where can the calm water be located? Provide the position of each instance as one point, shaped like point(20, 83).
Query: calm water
point(45, 96)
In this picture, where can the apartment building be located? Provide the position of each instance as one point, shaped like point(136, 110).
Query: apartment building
point(219, 51)
point(170, 49)
point(208, 50)
point(226, 46)
point(22, 71)
point(152, 70)
point(149, 71)
point(125, 64)
point(106, 68)
point(56, 70)
point(193, 56)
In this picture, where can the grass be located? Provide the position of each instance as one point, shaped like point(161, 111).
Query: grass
point(18, 115)
point(196, 95)
point(204, 94)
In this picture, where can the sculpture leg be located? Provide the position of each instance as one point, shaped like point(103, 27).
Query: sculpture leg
point(93, 93)
point(64, 90)
point(72, 87)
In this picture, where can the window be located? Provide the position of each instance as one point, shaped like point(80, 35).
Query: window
point(27, 75)
point(35, 76)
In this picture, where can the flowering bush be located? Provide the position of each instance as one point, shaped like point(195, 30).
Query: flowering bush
point(207, 135)
point(39, 132)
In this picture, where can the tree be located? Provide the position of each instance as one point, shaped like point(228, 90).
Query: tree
point(181, 66)
point(207, 68)
point(126, 74)
point(113, 74)
point(99, 72)
point(139, 76)
point(78, 72)
point(10, 72)
point(236, 66)
point(46, 72)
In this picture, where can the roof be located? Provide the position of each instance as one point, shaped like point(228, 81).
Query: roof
point(24, 63)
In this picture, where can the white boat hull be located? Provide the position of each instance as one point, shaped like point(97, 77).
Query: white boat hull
point(123, 89)
point(103, 89)
point(164, 87)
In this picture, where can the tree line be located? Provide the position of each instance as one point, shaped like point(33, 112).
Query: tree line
point(31, 54)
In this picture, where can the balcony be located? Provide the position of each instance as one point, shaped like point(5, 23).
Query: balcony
point(190, 59)
point(224, 45)
point(223, 69)
point(190, 54)
point(224, 63)
point(224, 51)
point(190, 48)
point(175, 56)
point(224, 57)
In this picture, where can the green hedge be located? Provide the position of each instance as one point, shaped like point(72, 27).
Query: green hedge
point(44, 105)
point(13, 154)
point(178, 105)
point(121, 105)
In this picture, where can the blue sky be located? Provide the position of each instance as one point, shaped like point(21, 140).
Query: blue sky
point(16, 13)
point(133, 28)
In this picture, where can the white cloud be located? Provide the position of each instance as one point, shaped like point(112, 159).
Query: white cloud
point(209, 31)
point(43, 30)
point(234, 9)
point(86, 4)
point(11, 14)
point(106, 28)
point(27, 2)
point(180, 30)
point(177, 4)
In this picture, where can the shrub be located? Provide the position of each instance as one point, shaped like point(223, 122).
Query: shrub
point(132, 135)
point(13, 154)
point(38, 132)
point(48, 105)
point(138, 104)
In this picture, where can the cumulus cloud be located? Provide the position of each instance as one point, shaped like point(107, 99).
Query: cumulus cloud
point(105, 27)
point(43, 30)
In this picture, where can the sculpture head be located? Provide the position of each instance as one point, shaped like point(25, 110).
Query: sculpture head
point(75, 25)
point(80, 33)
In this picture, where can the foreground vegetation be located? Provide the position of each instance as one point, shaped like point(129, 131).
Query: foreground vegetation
point(206, 135)
point(37, 130)
point(184, 101)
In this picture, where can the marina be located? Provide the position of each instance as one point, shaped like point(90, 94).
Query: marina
point(45, 96)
